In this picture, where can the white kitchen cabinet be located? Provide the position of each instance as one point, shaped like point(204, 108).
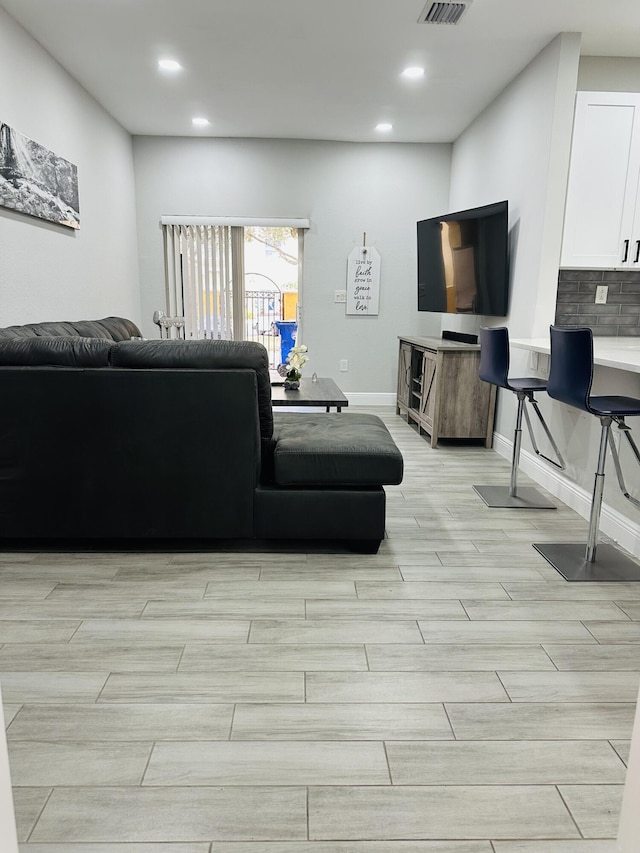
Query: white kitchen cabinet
point(602, 214)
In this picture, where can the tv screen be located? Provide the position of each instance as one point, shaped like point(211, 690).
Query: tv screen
point(463, 262)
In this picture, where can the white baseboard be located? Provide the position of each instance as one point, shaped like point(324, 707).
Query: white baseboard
point(612, 522)
point(357, 398)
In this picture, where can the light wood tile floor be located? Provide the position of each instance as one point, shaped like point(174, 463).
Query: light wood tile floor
point(451, 694)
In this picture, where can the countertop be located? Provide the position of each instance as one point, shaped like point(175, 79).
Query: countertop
point(438, 343)
point(620, 353)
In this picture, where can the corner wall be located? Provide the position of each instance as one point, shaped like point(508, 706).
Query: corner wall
point(47, 271)
point(345, 189)
point(518, 149)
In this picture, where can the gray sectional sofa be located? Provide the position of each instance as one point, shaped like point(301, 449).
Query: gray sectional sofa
point(105, 439)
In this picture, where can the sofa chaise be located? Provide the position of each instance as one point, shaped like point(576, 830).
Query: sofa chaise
point(104, 439)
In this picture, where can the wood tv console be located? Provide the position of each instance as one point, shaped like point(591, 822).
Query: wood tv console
point(439, 390)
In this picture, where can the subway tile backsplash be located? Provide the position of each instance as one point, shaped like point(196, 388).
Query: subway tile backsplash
point(619, 317)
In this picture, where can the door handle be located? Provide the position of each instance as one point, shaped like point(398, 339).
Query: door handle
point(637, 257)
point(626, 251)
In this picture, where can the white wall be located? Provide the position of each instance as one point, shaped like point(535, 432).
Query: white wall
point(609, 74)
point(518, 149)
point(345, 189)
point(48, 272)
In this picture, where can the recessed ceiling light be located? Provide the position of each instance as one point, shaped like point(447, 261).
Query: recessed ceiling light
point(200, 121)
point(169, 65)
point(384, 127)
point(414, 72)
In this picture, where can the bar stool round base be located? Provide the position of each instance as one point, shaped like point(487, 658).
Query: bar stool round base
point(527, 498)
point(569, 559)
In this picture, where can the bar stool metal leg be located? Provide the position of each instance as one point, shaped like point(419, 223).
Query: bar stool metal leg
point(626, 431)
point(494, 369)
point(525, 497)
point(573, 561)
point(558, 462)
point(517, 444)
point(570, 381)
point(598, 490)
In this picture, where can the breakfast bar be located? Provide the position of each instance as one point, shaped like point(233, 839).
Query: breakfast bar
point(619, 353)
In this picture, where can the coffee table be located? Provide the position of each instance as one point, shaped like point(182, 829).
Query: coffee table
point(322, 392)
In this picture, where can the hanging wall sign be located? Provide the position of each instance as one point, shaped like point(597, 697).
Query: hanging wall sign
point(363, 281)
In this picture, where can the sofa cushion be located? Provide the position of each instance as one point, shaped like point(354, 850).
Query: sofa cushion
point(54, 351)
point(334, 450)
point(110, 328)
point(203, 355)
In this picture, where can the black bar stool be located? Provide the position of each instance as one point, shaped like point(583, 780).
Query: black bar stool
point(570, 381)
point(494, 368)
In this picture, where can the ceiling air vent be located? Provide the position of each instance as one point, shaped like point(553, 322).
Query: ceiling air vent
point(448, 12)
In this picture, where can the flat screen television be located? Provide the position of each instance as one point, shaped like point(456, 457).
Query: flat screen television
point(463, 265)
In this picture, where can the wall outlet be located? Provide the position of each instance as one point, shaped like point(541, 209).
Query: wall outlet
point(534, 360)
point(601, 294)
point(340, 296)
point(344, 364)
point(543, 362)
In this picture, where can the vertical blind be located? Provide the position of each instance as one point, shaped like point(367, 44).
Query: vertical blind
point(199, 279)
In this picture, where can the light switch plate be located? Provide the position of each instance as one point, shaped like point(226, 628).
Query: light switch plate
point(340, 296)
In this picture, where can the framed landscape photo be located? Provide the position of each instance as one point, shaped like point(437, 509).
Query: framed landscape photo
point(35, 181)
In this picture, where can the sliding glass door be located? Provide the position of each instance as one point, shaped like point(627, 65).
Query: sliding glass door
point(233, 282)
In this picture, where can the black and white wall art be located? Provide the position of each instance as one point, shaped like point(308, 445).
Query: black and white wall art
point(35, 181)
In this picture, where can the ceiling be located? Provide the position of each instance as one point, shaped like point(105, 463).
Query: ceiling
point(311, 69)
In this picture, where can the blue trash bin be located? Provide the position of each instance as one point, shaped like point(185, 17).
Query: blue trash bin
point(288, 331)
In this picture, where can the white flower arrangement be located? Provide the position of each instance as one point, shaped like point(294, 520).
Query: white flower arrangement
point(296, 359)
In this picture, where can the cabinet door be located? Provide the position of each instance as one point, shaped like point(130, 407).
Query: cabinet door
point(404, 373)
point(429, 388)
point(603, 181)
point(633, 260)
